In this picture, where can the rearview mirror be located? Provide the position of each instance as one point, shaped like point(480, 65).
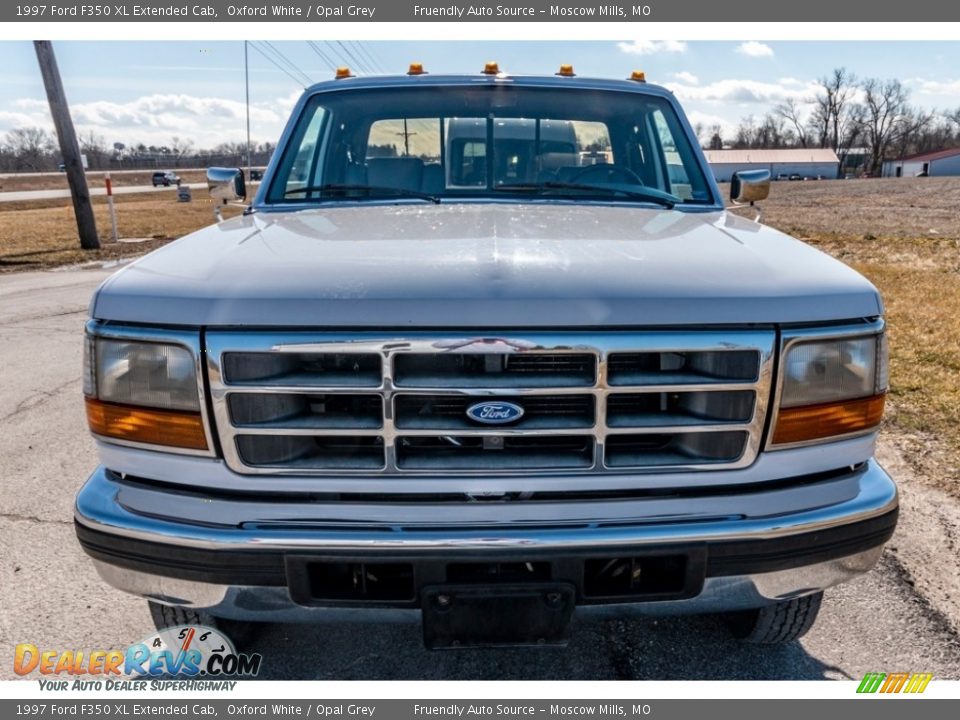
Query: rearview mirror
point(226, 184)
point(749, 186)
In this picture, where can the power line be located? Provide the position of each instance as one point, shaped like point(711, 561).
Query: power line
point(342, 59)
point(356, 61)
point(278, 65)
point(373, 61)
point(316, 48)
point(293, 66)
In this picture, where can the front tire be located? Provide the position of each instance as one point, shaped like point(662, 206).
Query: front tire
point(776, 624)
point(239, 631)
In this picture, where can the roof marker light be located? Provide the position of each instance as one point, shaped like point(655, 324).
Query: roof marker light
point(638, 76)
point(416, 69)
point(566, 71)
point(491, 68)
point(343, 72)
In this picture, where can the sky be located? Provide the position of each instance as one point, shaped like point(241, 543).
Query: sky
point(150, 92)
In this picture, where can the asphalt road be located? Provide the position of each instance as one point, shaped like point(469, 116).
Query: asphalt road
point(904, 616)
point(95, 190)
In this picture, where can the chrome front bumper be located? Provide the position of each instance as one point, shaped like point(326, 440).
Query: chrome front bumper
point(762, 544)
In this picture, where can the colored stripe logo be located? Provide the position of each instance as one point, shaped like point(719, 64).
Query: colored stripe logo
point(894, 683)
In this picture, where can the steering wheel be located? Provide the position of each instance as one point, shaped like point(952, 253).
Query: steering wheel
point(605, 172)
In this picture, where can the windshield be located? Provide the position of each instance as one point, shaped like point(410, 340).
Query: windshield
point(490, 141)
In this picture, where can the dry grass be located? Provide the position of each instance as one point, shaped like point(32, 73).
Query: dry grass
point(57, 181)
point(40, 234)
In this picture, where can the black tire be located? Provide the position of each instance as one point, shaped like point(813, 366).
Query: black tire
point(239, 631)
point(776, 624)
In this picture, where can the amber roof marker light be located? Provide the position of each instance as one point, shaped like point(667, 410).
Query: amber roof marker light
point(638, 76)
point(343, 72)
point(416, 69)
point(491, 68)
point(566, 71)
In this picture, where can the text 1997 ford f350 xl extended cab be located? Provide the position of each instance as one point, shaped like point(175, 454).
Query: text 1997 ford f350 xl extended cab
point(486, 348)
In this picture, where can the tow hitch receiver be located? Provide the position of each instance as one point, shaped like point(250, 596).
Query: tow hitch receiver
point(456, 616)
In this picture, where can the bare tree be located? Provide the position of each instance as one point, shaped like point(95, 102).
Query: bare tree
point(745, 133)
point(792, 113)
point(888, 119)
point(180, 148)
point(32, 147)
point(716, 137)
point(837, 117)
point(954, 118)
point(95, 148)
point(771, 133)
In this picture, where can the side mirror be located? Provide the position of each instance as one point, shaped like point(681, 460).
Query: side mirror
point(749, 186)
point(226, 184)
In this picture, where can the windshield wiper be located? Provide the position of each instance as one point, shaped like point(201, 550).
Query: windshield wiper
point(369, 189)
point(648, 194)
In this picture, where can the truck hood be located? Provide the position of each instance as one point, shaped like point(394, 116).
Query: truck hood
point(485, 265)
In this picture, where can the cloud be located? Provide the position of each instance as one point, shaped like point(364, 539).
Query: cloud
point(947, 88)
point(652, 47)
point(742, 92)
point(708, 121)
point(752, 48)
point(686, 78)
point(154, 119)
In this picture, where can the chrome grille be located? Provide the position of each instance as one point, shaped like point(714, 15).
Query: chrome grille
point(361, 403)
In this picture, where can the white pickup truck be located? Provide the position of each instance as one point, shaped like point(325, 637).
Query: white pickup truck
point(489, 349)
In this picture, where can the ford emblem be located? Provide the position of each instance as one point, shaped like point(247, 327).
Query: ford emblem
point(495, 412)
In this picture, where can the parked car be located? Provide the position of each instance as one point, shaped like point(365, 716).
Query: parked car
point(486, 382)
point(165, 178)
point(256, 175)
point(795, 176)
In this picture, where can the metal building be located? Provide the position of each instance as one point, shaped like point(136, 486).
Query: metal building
point(805, 162)
point(940, 163)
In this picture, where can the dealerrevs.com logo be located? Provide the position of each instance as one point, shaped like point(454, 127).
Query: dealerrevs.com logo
point(183, 652)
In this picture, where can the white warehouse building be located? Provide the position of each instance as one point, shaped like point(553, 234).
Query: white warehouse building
point(933, 164)
point(805, 162)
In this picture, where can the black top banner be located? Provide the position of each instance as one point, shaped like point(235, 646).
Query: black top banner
point(517, 11)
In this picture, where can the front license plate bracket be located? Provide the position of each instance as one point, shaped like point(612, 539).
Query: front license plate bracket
point(457, 616)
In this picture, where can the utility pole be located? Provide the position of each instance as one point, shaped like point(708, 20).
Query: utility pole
point(246, 75)
point(406, 138)
point(69, 148)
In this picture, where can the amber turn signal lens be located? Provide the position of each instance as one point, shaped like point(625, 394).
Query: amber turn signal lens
point(815, 422)
point(146, 425)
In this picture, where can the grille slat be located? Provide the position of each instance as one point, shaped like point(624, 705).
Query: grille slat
point(476, 370)
point(658, 409)
point(305, 403)
point(305, 412)
point(520, 453)
point(303, 369)
point(683, 368)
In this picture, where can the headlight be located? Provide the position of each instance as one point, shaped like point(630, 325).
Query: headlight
point(143, 392)
point(831, 388)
